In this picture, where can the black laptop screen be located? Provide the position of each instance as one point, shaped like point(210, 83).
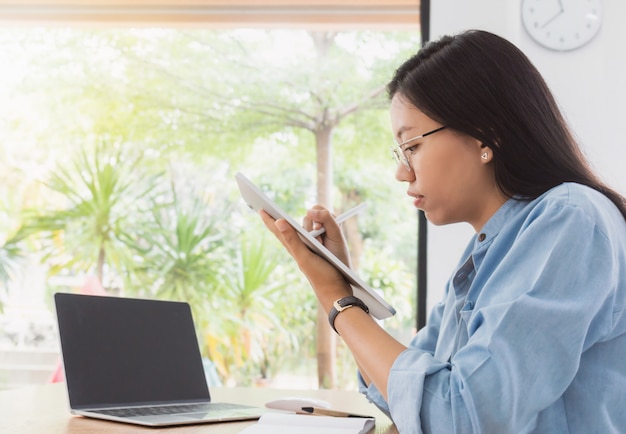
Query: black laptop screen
point(121, 351)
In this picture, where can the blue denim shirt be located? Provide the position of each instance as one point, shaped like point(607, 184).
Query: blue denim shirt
point(531, 334)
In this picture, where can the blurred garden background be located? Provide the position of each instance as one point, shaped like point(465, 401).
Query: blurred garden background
point(118, 149)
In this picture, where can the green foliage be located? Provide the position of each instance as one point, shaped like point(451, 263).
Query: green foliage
point(10, 253)
point(175, 251)
point(386, 273)
point(154, 206)
point(101, 196)
point(10, 256)
point(253, 335)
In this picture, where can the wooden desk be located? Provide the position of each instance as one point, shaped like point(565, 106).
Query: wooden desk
point(44, 410)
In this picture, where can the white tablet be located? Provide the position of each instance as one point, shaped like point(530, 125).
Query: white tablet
point(257, 200)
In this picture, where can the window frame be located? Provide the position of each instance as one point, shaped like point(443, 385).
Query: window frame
point(347, 14)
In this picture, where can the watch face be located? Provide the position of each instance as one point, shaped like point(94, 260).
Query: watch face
point(562, 24)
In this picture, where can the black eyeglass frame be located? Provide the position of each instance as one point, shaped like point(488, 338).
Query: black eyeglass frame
point(398, 152)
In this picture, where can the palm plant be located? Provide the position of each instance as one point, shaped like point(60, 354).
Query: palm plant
point(188, 251)
point(178, 251)
point(252, 291)
point(10, 255)
point(101, 196)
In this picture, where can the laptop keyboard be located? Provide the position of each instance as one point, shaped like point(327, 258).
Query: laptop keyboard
point(171, 409)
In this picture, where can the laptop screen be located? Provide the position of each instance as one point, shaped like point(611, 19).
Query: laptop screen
point(123, 351)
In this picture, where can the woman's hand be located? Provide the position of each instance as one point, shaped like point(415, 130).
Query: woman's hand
point(328, 283)
point(319, 217)
point(373, 349)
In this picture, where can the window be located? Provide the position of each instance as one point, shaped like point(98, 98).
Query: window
point(192, 92)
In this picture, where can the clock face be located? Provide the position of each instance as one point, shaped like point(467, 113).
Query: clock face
point(562, 24)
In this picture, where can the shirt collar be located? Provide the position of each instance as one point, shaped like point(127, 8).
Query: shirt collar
point(494, 225)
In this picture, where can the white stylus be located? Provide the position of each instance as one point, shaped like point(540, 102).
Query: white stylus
point(341, 218)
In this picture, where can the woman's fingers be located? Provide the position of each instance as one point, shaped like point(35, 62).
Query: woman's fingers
point(333, 237)
point(327, 282)
point(269, 222)
point(312, 224)
point(286, 235)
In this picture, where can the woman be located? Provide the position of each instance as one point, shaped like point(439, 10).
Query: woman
point(531, 334)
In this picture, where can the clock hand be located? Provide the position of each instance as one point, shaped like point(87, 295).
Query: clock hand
point(552, 19)
point(555, 16)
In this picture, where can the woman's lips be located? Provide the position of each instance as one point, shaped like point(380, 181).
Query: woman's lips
point(417, 200)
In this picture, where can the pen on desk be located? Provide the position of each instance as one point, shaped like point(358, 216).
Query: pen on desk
point(341, 218)
point(326, 412)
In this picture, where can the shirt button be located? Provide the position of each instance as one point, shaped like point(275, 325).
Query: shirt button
point(482, 237)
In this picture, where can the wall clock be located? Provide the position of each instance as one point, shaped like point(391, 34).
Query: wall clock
point(562, 25)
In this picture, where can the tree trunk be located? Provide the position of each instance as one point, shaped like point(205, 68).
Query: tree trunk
point(351, 229)
point(326, 339)
point(100, 264)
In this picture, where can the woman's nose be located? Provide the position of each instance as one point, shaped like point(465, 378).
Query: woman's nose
point(404, 174)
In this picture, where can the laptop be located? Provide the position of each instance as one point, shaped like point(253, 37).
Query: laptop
point(136, 361)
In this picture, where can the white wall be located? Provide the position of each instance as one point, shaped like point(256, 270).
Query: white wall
point(589, 84)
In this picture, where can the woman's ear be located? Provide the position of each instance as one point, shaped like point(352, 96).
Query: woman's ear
point(486, 154)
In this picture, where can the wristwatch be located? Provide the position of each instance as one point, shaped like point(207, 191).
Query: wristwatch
point(343, 304)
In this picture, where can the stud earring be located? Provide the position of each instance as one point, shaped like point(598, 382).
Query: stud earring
point(484, 156)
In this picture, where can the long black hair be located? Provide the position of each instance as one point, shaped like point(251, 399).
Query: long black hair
point(482, 85)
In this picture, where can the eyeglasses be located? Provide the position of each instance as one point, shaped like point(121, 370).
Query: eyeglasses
point(399, 154)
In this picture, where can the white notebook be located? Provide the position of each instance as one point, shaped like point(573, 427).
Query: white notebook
point(287, 423)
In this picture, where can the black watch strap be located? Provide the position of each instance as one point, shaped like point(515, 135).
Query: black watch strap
point(343, 304)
